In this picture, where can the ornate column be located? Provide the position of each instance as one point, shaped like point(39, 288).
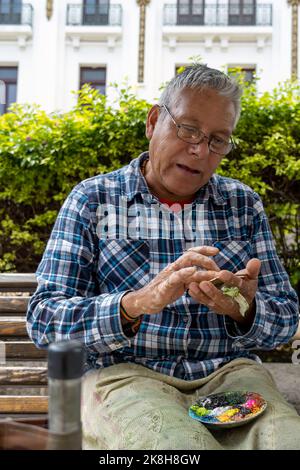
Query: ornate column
point(49, 9)
point(142, 4)
point(294, 70)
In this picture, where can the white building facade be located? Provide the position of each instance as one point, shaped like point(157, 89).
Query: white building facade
point(49, 48)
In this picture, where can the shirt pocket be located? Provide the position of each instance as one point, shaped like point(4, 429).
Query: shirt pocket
point(123, 264)
point(233, 255)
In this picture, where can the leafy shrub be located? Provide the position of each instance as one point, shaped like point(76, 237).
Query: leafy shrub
point(43, 156)
point(267, 159)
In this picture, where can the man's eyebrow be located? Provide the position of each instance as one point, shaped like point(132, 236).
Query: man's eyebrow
point(225, 132)
point(182, 119)
point(188, 118)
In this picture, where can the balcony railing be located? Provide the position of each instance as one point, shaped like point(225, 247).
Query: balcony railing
point(219, 15)
point(22, 17)
point(81, 15)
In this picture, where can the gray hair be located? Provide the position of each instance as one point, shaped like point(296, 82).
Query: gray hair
point(199, 76)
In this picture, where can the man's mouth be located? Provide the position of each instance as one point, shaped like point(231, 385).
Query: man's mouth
point(187, 169)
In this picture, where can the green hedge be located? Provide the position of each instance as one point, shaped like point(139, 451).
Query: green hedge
point(43, 156)
point(267, 158)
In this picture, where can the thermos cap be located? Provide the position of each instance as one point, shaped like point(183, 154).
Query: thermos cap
point(65, 360)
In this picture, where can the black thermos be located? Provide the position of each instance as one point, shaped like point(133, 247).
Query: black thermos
point(65, 368)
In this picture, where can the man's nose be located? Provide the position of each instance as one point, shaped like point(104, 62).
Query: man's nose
point(199, 150)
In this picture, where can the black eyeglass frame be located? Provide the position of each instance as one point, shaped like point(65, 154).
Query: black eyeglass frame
point(201, 134)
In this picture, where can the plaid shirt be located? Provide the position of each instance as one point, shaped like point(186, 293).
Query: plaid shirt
point(89, 264)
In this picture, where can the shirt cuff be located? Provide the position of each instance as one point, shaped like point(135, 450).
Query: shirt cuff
point(246, 336)
point(110, 326)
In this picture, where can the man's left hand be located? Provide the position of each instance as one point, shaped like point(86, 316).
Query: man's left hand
point(208, 294)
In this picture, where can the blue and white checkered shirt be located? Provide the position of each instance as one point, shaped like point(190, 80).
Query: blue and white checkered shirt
point(112, 236)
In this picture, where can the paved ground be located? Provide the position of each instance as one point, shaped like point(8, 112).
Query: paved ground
point(287, 377)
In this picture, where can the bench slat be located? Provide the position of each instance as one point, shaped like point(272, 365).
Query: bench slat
point(17, 280)
point(24, 390)
point(20, 364)
point(13, 304)
point(23, 375)
point(26, 404)
point(39, 419)
point(13, 326)
point(23, 350)
point(15, 289)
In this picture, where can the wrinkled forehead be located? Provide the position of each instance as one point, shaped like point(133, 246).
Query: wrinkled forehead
point(196, 103)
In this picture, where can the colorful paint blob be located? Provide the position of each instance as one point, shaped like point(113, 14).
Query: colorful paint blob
point(228, 409)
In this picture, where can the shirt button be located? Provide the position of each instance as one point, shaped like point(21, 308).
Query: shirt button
point(185, 319)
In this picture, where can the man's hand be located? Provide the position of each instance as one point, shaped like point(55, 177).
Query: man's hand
point(207, 294)
point(171, 282)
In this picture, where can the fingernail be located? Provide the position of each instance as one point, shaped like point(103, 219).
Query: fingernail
point(205, 287)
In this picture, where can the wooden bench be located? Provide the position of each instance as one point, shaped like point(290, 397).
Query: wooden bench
point(23, 374)
point(23, 377)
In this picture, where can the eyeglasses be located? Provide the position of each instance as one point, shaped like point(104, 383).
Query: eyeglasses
point(193, 135)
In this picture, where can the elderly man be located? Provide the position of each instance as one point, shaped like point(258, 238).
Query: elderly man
point(132, 270)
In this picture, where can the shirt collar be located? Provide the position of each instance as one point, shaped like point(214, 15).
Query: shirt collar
point(211, 190)
point(135, 183)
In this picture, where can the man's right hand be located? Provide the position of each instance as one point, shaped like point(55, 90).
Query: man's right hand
point(171, 282)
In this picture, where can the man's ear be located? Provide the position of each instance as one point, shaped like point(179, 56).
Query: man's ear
point(152, 118)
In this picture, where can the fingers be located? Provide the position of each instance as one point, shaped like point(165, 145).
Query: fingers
point(207, 294)
point(198, 294)
point(178, 278)
point(219, 302)
point(229, 278)
point(200, 276)
point(205, 250)
point(197, 256)
point(253, 268)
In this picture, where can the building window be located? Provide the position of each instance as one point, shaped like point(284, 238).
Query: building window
point(9, 75)
point(95, 12)
point(190, 12)
point(248, 72)
point(96, 77)
point(242, 12)
point(10, 11)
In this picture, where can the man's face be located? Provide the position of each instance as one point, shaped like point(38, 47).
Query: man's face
point(178, 169)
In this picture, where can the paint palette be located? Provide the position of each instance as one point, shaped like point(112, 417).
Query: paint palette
point(228, 409)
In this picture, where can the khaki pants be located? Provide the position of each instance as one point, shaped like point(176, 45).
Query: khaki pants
point(127, 406)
